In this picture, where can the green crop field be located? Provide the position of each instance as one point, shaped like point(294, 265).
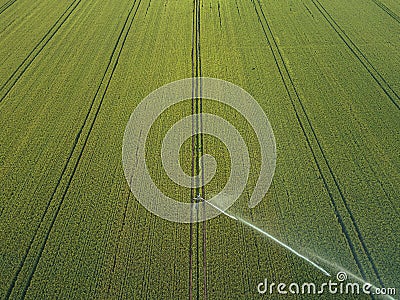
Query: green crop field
point(327, 75)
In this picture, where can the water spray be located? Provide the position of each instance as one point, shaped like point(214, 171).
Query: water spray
point(268, 235)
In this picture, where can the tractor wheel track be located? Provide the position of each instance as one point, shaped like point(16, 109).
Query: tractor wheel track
point(384, 86)
point(295, 98)
point(17, 74)
point(193, 159)
point(387, 10)
point(100, 93)
point(197, 151)
point(379, 79)
point(6, 5)
point(202, 191)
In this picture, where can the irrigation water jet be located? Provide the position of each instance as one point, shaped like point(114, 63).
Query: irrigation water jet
point(269, 236)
